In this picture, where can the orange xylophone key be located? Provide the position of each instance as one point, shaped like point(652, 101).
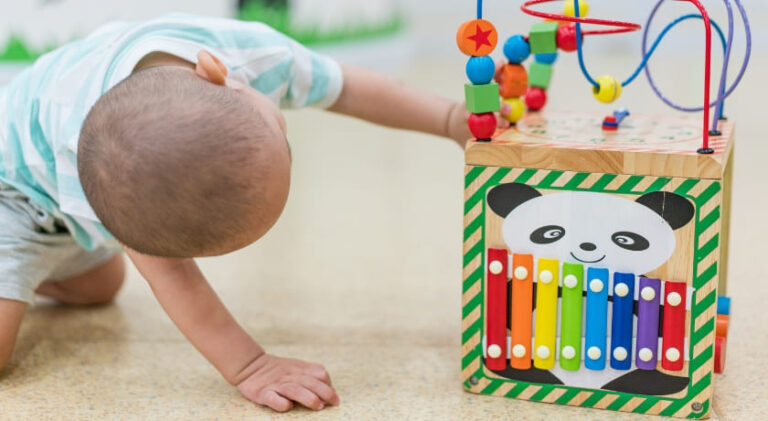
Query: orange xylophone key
point(521, 309)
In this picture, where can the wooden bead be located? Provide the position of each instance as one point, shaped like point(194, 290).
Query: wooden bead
point(540, 75)
point(721, 325)
point(535, 98)
point(481, 98)
point(569, 10)
point(482, 126)
point(516, 49)
point(566, 37)
point(542, 38)
point(476, 37)
point(513, 80)
point(480, 70)
point(515, 112)
point(609, 89)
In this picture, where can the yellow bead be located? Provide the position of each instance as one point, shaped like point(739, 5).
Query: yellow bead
point(516, 109)
point(568, 9)
point(609, 90)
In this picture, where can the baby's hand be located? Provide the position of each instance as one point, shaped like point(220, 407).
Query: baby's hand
point(279, 382)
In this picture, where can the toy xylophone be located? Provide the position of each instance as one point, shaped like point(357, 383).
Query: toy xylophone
point(583, 331)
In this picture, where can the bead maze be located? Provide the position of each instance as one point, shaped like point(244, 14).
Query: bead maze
point(595, 247)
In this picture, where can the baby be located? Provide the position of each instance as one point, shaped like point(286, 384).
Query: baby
point(164, 139)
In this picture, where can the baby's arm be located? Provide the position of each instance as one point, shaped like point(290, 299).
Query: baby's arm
point(383, 100)
point(196, 310)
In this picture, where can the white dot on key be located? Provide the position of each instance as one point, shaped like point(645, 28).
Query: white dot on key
point(568, 352)
point(521, 272)
point(672, 354)
point(648, 293)
point(494, 351)
point(570, 281)
point(620, 353)
point(596, 285)
point(645, 354)
point(495, 267)
point(542, 352)
point(674, 299)
point(594, 353)
point(621, 290)
point(518, 351)
point(545, 276)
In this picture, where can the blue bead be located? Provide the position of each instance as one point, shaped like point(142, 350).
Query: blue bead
point(480, 70)
point(516, 49)
point(546, 58)
point(724, 305)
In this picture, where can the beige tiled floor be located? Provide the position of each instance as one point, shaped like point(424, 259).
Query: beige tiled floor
point(362, 274)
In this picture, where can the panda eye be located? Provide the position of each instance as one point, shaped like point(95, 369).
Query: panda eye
point(547, 234)
point(630, 241)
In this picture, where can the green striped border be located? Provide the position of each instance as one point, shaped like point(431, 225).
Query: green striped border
point(700, 391)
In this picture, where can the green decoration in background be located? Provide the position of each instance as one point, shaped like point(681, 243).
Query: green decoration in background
point(275, 13)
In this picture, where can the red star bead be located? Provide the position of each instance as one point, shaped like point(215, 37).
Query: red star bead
point(481, 37)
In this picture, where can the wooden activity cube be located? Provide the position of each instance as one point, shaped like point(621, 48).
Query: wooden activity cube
point(593, 262)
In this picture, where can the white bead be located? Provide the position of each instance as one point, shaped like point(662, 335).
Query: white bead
point(545, 276)
point(568, 352)
point(621, 290)
point(495, 267)
point(570, 281)
point(620, 353)
point(518, 351)
point(594, 353)
point(494, 351)
point(648, 293)
point(673, 354)
point(521, 272)
point(596, 286)
point(674, 299)
point(542, 352)
point(645, 354)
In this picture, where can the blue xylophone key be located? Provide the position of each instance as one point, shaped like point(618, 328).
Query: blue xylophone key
point(597, 318)
point(621, 320)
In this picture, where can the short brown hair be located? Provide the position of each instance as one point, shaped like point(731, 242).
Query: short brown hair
point(171, 163)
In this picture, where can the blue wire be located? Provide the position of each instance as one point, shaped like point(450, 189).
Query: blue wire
point(662, 34)
point(647, 55)
point(479, 9)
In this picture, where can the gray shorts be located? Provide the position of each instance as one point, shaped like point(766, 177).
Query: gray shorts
point(36, 247)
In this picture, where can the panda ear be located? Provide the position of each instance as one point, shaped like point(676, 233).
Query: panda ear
point(505, 197)
point(675, 209)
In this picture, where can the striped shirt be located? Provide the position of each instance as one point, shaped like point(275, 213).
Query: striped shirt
point(42, 110)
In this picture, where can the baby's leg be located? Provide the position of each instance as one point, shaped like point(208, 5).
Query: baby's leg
point(96, 286)
point(11, 312)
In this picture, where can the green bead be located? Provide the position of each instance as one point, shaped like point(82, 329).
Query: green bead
point(539, 74)
point(482, 98)
point(542, 38)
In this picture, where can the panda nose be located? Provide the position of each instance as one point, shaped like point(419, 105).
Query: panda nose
point(587, 246)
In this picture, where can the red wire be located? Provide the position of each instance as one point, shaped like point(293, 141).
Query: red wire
point(707, 65)
point(620, 27)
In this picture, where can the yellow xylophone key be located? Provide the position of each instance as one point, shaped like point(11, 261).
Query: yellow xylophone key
point(546, 314)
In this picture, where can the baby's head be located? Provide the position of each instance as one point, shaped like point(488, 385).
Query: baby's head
point(177, 166)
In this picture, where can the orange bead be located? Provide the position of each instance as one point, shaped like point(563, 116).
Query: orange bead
point(721, 325)
point(513, 81)
point(476, 37)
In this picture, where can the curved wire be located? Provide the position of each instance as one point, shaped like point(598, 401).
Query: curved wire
point(479, 9)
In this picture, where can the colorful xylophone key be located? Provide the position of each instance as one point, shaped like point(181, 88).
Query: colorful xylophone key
point(570, 316)
point(621, 320)
point(546, 314)
point(648, 323)
point(673, 329)
point(496, 315)
point(597, 318)
point(521, 311)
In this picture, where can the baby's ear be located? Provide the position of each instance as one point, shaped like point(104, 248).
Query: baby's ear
point(210, 68)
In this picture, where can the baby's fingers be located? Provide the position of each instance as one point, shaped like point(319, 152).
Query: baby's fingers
point(302, 395)
point(323, 390)
point(319, 372)
point(273, 400)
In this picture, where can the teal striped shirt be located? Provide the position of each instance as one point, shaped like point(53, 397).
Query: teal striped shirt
point(42, 110)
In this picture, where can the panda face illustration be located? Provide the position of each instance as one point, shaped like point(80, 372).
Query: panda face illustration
point(595, 229)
